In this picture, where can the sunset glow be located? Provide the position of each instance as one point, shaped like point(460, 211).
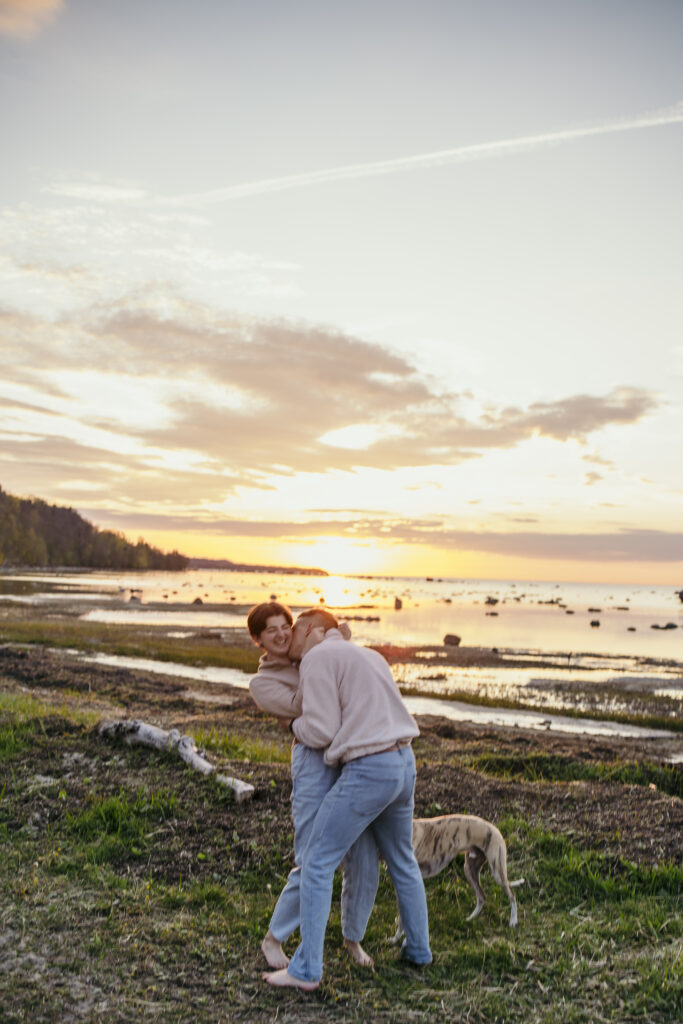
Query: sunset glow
point(307, 285)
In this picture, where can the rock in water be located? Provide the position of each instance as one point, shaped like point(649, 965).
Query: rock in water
point(451, 640)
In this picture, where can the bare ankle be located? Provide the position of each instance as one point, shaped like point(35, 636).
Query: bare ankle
point(358, 954)
point(273, 952)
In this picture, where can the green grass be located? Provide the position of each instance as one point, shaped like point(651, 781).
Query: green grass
point(22, 720)
point(143, 894)
point(16, 736)
point(114, 828)
point(594, 944)
point(131, 642)
point(536, 767)
point(241, 748)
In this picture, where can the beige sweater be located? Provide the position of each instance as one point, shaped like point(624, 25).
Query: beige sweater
point(350, 701)
point(275, 688)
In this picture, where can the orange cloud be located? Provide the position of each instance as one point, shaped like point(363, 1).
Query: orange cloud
point(615, 545)
point(25, 18)
point(249, 400)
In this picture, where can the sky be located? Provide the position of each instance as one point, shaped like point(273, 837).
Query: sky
point(382, 286)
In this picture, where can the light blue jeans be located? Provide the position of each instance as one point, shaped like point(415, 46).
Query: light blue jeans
point(374, 793)
point(312, 779)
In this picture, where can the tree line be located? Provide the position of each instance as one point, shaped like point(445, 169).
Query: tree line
point(34, 533)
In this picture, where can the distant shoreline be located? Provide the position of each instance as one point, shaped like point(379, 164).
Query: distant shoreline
point(193, 563)
point(222, 563)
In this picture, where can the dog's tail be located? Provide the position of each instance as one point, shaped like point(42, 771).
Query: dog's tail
point(520, 881)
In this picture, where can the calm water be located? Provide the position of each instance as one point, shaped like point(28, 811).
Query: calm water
point(597, 667)
point(543, 617)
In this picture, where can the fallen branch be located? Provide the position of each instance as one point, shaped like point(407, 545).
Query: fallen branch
point(134, 731)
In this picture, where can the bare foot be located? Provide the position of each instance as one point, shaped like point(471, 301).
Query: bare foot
point(358, 954)
point(272, 951)
point(281, 979)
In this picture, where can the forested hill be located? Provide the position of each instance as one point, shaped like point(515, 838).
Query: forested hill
point(37, 534)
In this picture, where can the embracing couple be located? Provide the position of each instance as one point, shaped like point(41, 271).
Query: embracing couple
point(353, 778)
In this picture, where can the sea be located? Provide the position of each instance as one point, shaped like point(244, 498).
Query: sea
point(542, 617)
point(627, 638)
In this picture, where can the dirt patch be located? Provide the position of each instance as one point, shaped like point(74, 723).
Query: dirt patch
point(199, 838)
point(634, 822)
point(163, 696)
point(480, 739)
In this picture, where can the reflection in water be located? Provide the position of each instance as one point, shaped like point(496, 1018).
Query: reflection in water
point(418, 705)
point(622, 665)
point(208, 674)
point(527, 719)
point(527, 615)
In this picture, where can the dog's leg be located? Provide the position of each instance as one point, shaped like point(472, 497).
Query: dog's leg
point(474, 859)
point(498, 865)
point(400, 931)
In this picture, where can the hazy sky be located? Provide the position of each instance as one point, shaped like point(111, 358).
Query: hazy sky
point(377, 285)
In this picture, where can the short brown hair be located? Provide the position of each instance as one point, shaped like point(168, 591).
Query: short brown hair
point(260, 613)
point(321, 617)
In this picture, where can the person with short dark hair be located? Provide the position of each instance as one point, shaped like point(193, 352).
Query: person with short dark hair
point(275, 689)
point(257, 619)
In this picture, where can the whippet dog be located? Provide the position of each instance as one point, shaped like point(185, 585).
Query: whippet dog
point(436, 841)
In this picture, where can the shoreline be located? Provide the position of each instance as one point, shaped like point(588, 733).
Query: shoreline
point(76, 607)
point(637, 691)
point(175, 701)
point(549, 620)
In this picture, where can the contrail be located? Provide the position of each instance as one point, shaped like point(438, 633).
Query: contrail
point(479, 151)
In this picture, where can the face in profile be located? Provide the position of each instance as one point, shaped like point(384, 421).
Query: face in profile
point(276, 636)
point(299, 634)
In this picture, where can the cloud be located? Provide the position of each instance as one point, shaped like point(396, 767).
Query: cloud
point(251, 399)
point(301, 383)
point(438, 158)
point(71, 473)
point(580, 415)
point(623, 545)
point(25, 18)
point(598, 460)
point(627, 545)
point(96, 191)
point(68, 256)
point(124, 194)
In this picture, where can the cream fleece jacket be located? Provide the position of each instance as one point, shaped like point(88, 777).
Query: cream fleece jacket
point(275, 688)
point(350, 701)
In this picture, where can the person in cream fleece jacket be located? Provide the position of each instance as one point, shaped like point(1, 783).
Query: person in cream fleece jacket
point(352, 710)
point(275, 690)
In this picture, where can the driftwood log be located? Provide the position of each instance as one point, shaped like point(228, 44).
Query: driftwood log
point(134, 731)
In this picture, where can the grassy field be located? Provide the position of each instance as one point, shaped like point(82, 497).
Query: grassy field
point(134, 889)
point(131, 642)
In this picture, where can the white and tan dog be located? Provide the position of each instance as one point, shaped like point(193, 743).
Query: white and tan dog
point(437, 841)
